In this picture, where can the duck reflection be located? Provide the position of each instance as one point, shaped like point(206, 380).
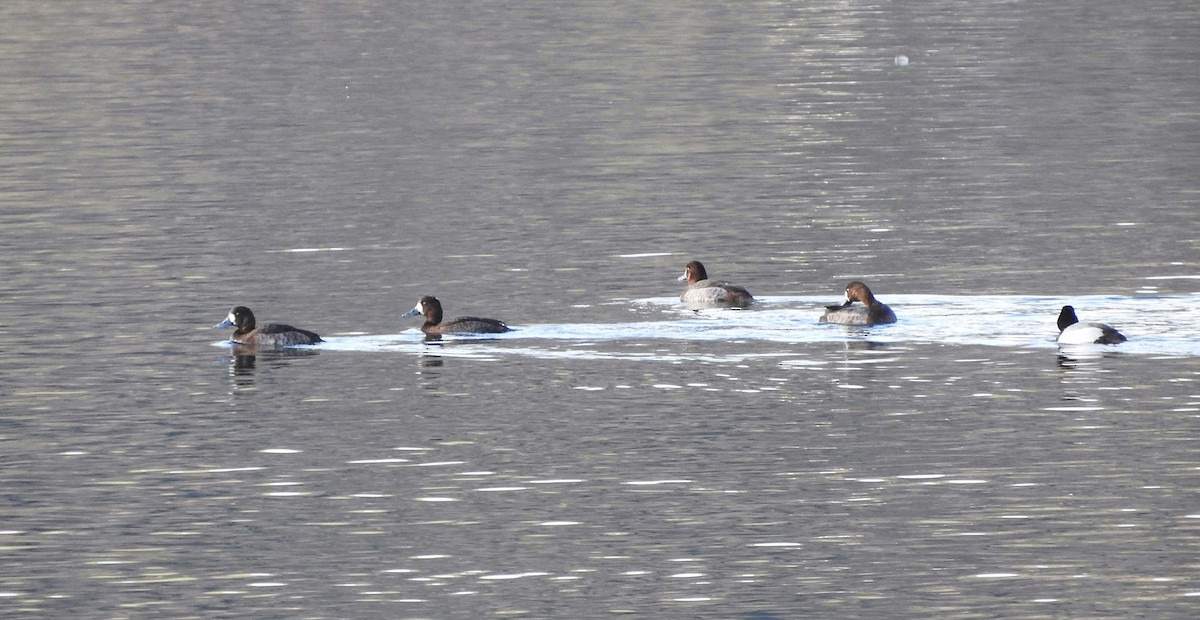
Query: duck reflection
point(861, 362)
point(243, 360)
point(864, 345)
point(430, 361)
point(242, 364)
point(429, 369)
point(1082, 357)
point(1083, 374)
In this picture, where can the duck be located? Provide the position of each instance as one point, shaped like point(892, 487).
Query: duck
point(1071, 331)
point(431, 308)
point(708, 293)
point(872, 312)
point(269, 335)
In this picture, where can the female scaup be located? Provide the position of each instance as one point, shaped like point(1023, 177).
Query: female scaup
point(1071, 331)
point(871, 312)
point(704, 292)
point(269, 335)
point(431, 308)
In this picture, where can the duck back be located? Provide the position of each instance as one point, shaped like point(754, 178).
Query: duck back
point(468, 325)
point(713, 293)
point(278, 334)
point(1090, 333)
point(858, 315)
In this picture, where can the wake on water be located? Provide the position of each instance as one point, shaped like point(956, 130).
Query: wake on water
point(1155, 325)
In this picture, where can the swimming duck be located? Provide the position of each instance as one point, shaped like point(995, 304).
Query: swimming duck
point(431, 308)
point(269, 335)
point(1071, 331)
point(871, 312)
point(704, 292)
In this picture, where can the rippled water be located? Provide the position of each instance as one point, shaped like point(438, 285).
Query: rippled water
point(555, 166)
point(1160, 326)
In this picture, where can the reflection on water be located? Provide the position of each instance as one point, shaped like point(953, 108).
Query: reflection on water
point(243, 361)
point(1086, 377)
point(431, 361)
point(430, 368)
point(1084, 356)
point(865, 345)
point(241, 368)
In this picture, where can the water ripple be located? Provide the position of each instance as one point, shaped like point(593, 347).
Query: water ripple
point(1155, 326)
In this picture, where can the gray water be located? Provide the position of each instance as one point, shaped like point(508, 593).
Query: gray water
point(554, 165)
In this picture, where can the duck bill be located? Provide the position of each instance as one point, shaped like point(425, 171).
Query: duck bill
point(225, 323)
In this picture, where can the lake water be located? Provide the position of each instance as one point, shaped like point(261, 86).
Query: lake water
point(555, 165)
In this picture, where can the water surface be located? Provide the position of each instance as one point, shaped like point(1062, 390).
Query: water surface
point(555, 166)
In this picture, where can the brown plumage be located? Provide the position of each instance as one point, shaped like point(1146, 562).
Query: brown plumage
point(431, 309)
point(871, 312)
point(704, 292)
point(268, 335)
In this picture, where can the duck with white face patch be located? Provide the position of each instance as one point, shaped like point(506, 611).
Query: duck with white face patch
point(429, 307)
point(268, 335)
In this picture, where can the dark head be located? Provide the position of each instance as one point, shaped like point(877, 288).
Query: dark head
point(240, 317)
point(1067, 318)
point(857, 291)
point(429, 307)
point(694, 272)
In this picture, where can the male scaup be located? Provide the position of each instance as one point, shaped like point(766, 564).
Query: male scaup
point(1071, 331)
point(871, 312)
point(704, 292)
point(431, 308)
point(269, 335)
